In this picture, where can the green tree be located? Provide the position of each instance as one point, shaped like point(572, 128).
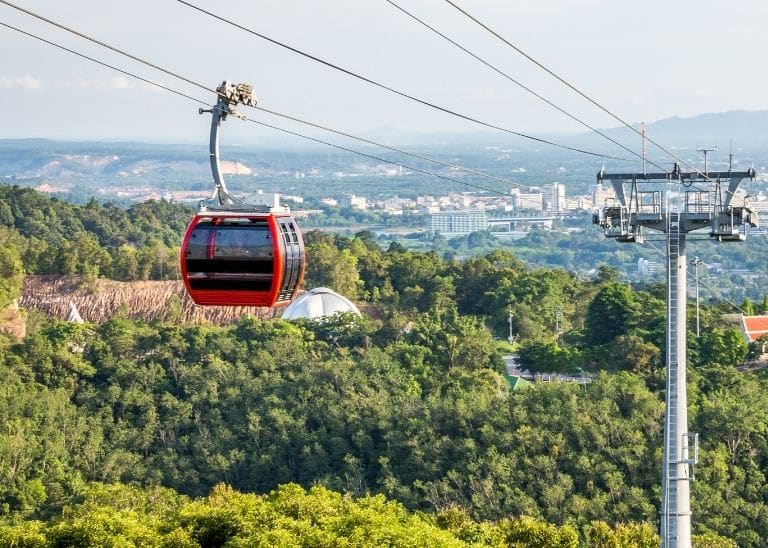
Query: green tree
point(548, 357)
point(329, 267)
point(125, 264)
point(11, 275)
point(737, 413)
point(611, 313)
point(722, 347)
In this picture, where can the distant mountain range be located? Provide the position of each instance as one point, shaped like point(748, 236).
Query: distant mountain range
point(63, 160)
point(746, 128)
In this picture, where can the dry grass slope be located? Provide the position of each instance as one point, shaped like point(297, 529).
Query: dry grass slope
point(12, 321)
point(99, 300)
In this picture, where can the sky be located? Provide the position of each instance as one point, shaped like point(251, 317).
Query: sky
point(644, 60)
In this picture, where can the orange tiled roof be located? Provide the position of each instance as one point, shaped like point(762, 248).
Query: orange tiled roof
point(755, 326)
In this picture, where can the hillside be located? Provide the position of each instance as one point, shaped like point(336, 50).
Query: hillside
point(745, 128)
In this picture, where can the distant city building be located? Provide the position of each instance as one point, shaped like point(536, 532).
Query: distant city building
point(578, 203)
point(444, 201)
point(329, 202)
point(554, 198)
point(398, 203)
point(457, 223)
point(356, 202)
point(425, 200)
point(460, 200)
point(527, 201)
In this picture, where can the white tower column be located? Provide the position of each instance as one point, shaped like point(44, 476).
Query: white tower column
point(675, 482)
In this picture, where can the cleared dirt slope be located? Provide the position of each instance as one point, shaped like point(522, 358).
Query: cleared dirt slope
point(99, 300)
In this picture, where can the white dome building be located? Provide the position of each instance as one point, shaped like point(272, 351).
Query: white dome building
point(318, 303)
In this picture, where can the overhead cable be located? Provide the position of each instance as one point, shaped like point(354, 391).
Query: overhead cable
point(575, 89)
point(391, 89)
point(379, 159)
point(100, 43)
point(102, 63)
point(295, 133)
point(516, 82)
point(213, 91)
point(394, 149)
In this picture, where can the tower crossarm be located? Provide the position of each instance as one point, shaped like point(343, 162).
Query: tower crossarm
point(707, 205)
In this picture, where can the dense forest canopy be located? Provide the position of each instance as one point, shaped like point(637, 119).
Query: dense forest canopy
point(423, 418)
point(410, 406)
point(54, 237)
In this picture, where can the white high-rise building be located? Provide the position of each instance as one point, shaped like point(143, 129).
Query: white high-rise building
point(554, 197)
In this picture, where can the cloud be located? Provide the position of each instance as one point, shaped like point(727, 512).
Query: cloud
point(706, 93)
point(120, 82)
point(26, 83)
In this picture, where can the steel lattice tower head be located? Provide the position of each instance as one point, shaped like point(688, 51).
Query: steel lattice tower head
point(708, 204)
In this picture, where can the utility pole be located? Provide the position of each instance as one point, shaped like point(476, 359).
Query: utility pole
point(558, 319)
point(657, 208)
point(696, 262)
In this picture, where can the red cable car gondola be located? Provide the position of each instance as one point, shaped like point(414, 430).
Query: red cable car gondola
point(242, 259)
point(235, 253)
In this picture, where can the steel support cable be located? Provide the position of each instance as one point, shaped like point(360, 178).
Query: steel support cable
point(213, 91)
point(100, 43)
point(391, 89)
point(517, 82)
point(379, 159)
point(202, 102)
point(206, 88)
point(576, 90)
point(102, 63)
point(393, 149)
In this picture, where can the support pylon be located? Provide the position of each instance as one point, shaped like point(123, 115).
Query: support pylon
point(624, 219)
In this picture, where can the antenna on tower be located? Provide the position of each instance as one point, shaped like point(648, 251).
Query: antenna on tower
point(642, 134)
point(730, 155)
